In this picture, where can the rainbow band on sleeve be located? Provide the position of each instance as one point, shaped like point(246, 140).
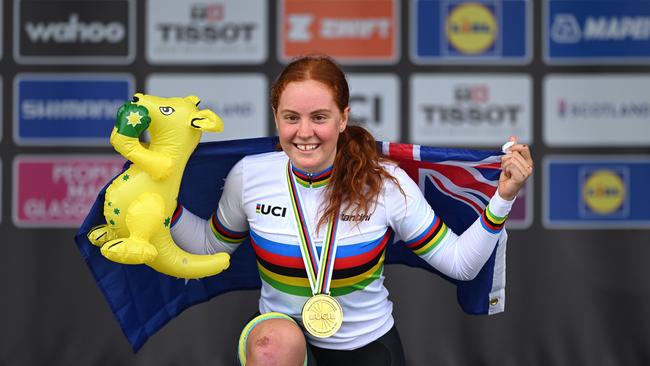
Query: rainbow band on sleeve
point(492, 223)
point(178, 212)
point(223, 234)
point(430, 238)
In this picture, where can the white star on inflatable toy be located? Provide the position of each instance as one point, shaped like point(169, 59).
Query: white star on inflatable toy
point(134, 119)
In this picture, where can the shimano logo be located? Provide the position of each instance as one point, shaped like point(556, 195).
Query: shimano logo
point(263, 209)
point(76, 109)
point(567, 30)
point(75, 31)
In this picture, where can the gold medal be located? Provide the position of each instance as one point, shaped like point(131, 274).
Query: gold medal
point(322, 316)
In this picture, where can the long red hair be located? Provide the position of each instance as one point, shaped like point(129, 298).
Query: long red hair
point(357, 174)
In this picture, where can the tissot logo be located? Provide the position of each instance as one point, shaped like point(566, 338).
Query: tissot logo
point(207, 26)
point(209, 31)
point(471, 106)
point(263, 209)
point(74, 32)
point(476, 109)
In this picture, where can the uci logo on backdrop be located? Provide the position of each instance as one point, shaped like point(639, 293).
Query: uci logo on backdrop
point(74, 32)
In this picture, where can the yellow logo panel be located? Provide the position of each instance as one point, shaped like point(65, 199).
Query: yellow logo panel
point(604, 192)
point(471, 28)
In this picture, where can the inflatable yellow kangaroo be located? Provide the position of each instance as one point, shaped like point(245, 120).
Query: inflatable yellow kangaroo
point(140, 202)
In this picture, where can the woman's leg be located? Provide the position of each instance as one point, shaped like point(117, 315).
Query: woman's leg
point(272, 339)
point(385, 351)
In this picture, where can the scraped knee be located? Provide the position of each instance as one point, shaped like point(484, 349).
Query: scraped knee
point(276, 342)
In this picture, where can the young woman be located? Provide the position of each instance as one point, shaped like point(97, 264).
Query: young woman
point(320, 214)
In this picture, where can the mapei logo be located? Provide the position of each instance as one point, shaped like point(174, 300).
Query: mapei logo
point(566, 29)
point(264, 209)
point(471, 28)
point(74, 32)
point(603, 192)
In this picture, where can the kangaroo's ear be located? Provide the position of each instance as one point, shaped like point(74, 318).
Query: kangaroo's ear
point(207, 120)
point(193, 99)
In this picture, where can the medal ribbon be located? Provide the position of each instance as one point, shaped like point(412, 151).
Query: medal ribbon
point(319, 268)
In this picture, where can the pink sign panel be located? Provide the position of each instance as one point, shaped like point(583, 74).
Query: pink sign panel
point(521, 215)
point(58, 191)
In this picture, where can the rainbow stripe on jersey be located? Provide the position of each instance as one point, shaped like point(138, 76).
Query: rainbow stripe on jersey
point(430, 238)
point(356, 265)
point(224, 234)
point(491, 222)
point(312, 180)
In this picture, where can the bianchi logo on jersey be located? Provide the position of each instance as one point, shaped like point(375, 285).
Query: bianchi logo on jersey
point(263, 209)
point(355, 217)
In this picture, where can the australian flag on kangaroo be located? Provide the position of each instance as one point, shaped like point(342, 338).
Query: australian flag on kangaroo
point(457, 183)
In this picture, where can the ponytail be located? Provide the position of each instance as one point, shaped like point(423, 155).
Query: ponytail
point(357, 175)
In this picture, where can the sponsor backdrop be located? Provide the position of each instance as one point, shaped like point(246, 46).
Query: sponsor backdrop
point(568, 77)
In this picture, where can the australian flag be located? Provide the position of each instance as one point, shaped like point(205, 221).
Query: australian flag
point(457, 183)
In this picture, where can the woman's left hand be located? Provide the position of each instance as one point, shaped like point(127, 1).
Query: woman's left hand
point(516, 167)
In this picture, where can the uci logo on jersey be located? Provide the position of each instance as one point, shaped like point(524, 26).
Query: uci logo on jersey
point(263, 209)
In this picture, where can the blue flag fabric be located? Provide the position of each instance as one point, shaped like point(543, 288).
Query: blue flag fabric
point(457, 183)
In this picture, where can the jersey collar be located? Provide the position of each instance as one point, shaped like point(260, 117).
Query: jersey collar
point(312, 180)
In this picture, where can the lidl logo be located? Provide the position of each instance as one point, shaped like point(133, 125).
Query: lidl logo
point(603, 191)
point(471, 31)
point(471, 28)
point(599, 192)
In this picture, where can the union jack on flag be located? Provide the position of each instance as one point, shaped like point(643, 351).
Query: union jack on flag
point(457, 183)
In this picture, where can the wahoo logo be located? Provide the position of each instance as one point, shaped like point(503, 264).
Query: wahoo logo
point(74, 32)
point(263, 209)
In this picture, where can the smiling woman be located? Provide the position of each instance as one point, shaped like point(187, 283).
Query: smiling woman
point(309, 122)
point(320, 214)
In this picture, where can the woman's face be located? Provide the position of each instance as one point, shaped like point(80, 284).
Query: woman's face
point(309, 123)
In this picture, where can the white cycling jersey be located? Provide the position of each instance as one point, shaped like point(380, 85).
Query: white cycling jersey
point(256, 203)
